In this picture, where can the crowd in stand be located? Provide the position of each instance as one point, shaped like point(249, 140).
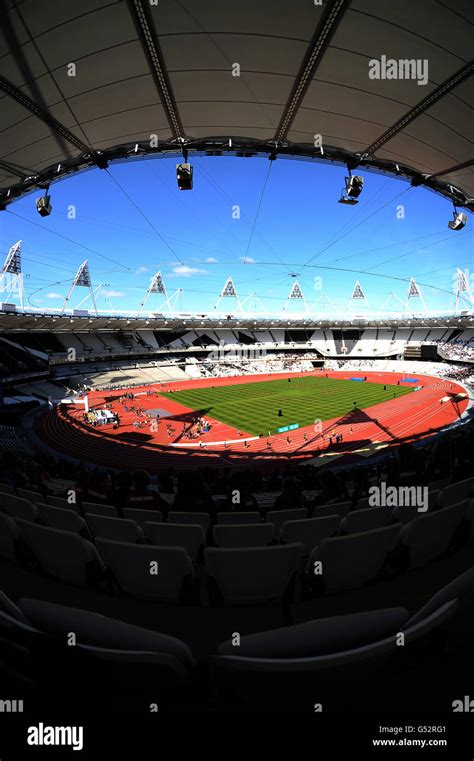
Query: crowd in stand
point(462, 350)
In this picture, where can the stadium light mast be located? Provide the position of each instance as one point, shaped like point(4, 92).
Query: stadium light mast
point(82, 279)
point(462, 286)
point(414, 291)
point(295, 294)
point(229, 291)
point(358, 296)
point(11, 276)
point(156, 286)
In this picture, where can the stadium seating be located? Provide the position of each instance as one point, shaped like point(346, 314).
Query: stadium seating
point(350, 561)
point(429, 536)
point(97, 509)
point(142, 516)
point(243, 535)
point(120, 529)
point(338, 508)
point(148, 572)
point(190, 536)
point(365, 520)
point(202, 519)
point(18, 507)
point(9, 536)
point(278, 517)
point(455, 493)
point(66, 520)
point(63, 554)
point(241, 517)
point(309, 531)
point(253, 575)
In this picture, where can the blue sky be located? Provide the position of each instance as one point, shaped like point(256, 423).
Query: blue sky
point(145, 224)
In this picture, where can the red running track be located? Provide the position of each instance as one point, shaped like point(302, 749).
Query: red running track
point(406, 419)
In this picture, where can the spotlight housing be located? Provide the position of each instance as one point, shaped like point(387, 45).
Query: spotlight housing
point(43, 206)
point(352, 190)
point(459, 221)
point(184, 176)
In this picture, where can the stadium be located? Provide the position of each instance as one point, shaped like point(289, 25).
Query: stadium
point(236, 481)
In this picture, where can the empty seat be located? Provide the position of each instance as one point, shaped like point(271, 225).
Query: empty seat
point(142, 516)
point(350, 561)
point(405, 513)
point(146, 571)
point(33, 496)
point(97, 630)
point(235, 518)
point(64, 519)
point(18, 507)
point(202, 519)
point(253, 575)
point(309, 531)
point(62, 502)
point(365, 520)
point(339, 508)
point(189, 536)
point(429, 536)
point(9, 536)
point(363, 503)
point(278, 517)
point(438, 485)
point(461, 589)
point(63, 554)
point(242, 535)
point(106, 510)
point(289, 669)
point(120, 529)
point(6, 488)
point(455, 493)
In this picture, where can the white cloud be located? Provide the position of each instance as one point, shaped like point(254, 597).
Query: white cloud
point(247, 260)
point(186, 271)
point(112, 294)
point(210, 260)
point(54, 296)
point(141, 270)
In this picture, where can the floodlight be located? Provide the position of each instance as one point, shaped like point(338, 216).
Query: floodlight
point(459, 221)
point(184, 176)
point(43, 206)
point(352, 190)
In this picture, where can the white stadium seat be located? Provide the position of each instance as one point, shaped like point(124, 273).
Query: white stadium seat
point(142, 516)
point(202, 519)
point(309, 531)
point(147, 572)
point(278, 517)
point(235, 518)
point(120, 529)
point(365, 520)
point(350, 561)
point(189, 536)
point(241, 535)
point(63, 554)
point(66, 520)
point(429, 536)
point(253, 575)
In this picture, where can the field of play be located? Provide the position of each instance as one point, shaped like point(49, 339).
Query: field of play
point(253, 407)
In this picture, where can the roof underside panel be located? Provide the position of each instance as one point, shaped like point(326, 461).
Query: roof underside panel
point(115, 97)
